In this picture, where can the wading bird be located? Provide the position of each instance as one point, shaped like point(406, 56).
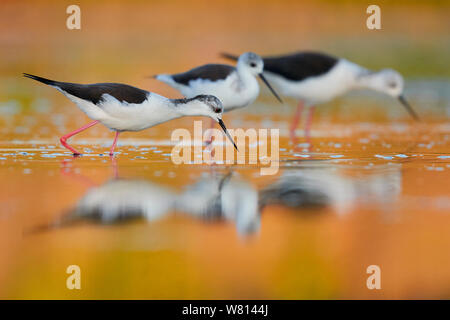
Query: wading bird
point(121, 107)
point(236, 87)
point(314, 78)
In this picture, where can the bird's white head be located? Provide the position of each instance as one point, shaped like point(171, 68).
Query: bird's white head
point(251, 62)
point(201, 105)
point(390, 82)
point(204, 105)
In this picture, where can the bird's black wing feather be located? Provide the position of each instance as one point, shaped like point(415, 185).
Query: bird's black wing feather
point(211, 72)
point(95, 92)
point(299, 66)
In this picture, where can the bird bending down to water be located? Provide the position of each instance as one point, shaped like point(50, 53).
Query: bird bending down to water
point(314, 78)
point(236, 87)
point(121, 107)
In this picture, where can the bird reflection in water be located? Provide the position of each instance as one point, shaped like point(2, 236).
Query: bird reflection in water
point(125, 199)
point(228, 198)
point(214, 198)
point(325, 186)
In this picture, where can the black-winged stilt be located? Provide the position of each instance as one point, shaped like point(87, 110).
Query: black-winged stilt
point(121, 107)
point(236, 87)
point(314, 78)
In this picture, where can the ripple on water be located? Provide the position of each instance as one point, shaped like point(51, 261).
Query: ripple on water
point(384, 157)
point(301, 155)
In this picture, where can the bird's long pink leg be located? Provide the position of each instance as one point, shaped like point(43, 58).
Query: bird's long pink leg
point(67, 136)
point(308, 125)
point(111, 152)
point(295, 121)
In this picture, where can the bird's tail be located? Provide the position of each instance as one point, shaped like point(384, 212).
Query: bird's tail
point(229, 56)
point(40, 79)
point(166, 78)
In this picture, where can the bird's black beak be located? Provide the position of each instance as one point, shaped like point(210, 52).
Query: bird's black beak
point(270, 87)
point(226, 133)
point(408, 107)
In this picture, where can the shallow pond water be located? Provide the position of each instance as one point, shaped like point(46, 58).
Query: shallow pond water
point(141, 227)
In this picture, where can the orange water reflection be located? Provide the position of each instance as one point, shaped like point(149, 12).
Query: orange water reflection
point(315, 228)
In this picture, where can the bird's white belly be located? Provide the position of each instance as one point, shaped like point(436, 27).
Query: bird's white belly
point(134, 120)
point(122, 116)
point(314, 90)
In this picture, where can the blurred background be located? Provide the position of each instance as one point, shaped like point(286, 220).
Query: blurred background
point(375, 189)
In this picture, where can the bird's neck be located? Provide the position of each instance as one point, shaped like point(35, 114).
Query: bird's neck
point(186, 107)
point(367, 79)
point(246, 78)
point(165, 106)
